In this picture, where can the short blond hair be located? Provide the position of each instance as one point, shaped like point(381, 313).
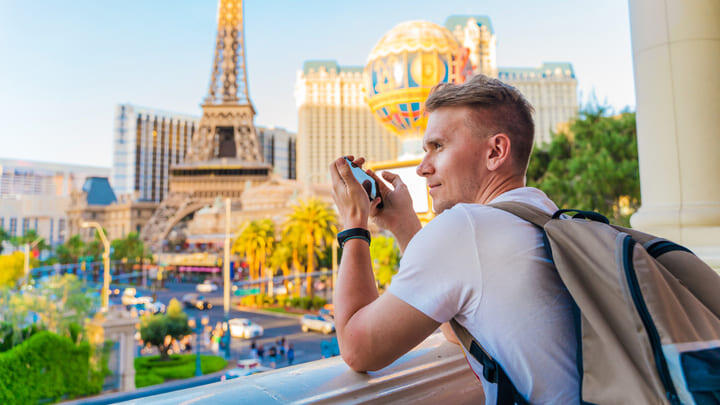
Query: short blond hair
point(498, 107)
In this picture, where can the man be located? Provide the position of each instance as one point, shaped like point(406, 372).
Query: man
point(480, 265)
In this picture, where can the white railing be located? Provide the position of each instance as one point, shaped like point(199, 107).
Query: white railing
point(434, 372)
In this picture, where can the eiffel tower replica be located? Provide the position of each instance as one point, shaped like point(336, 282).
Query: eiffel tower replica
point(224, 157)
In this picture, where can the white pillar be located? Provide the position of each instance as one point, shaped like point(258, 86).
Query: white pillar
point(676, 53)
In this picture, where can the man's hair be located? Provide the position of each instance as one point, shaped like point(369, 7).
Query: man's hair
point(499, 107)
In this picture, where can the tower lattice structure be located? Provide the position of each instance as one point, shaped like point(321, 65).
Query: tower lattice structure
point(226, 128)
point(224, 156)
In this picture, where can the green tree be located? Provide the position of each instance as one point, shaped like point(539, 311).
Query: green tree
point(313, 225)
point(30, 236)
point(281, 258)
point(59, 304)
point(4, 236)
point(591, 166)
point(131, 248)
point(11, 268)
point(255, 241)
point(385, 256)
point(71, 250)
point(161, 330)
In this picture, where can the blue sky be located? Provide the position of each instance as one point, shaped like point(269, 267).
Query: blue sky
point(64, 65)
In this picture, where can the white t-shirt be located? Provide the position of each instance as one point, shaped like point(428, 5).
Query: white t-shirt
point(488, 269)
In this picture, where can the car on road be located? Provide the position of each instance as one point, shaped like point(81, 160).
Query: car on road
point(319, 323)
point(244, 368)
point(244, 328)
point(128, 296)
point(207, 286)
point(194, 300)
point(152, 307)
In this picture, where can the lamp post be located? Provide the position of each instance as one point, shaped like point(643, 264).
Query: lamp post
point(198, 329)
point(226, 280)
point(106, 263)
point(26, 264)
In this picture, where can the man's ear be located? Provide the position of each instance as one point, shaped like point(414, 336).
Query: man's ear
point(498, 151)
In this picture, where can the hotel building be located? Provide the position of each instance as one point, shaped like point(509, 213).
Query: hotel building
point(334, 119)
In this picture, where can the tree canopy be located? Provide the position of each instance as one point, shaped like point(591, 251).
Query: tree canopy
point(385, 256)
point(130, 247)
point(161, 329)
point(311, 225)
point(593, 165)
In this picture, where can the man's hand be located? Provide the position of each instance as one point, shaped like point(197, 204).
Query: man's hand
point(397, 214)
point(350, 197)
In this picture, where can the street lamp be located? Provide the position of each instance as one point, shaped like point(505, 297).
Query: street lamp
point(106, 263)
point(198, 329)
point(226, 279)
point(26, 264)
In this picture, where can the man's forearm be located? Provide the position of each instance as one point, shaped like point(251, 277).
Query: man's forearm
point(355, 283)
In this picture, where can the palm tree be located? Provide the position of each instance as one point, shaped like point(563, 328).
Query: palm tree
point(255, 242)
point(282, 255)
point(311, 225)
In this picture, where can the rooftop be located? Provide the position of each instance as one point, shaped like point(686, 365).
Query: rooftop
point(454, 20)
point(328, 65)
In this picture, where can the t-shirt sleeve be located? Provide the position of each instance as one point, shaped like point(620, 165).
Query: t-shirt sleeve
point(433, 274)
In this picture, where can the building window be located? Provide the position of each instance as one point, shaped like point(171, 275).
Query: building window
point(61, 231)
point(25, 225)
point(13, 226)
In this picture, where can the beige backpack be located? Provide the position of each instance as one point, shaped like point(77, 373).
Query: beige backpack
point(647, 313)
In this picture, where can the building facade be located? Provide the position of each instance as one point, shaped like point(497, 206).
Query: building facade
point(35, 196)
point(278, 147)
point(146, 143)
point(335, 120)
point(550, 88)
point(118, 215)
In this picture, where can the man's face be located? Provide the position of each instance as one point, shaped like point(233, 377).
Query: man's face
point(454, 163)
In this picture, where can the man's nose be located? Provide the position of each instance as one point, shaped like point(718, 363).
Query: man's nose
point(424, 169)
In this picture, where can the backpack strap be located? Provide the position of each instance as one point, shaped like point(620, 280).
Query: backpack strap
point(528, 212)
point(493, 373)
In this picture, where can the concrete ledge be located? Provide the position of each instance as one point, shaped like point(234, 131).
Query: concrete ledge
point(434, 372)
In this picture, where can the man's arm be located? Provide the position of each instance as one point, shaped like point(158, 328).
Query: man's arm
point(372, 330)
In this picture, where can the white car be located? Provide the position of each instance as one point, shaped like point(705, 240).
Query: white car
point(245, 368)
point(244, 328)
point(206, 287)
point(128, 297)
point(317, 322)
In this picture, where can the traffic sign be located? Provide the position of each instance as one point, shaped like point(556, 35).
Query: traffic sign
point(247, 291)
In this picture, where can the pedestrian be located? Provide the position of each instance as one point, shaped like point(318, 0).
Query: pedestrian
point(281, 346)
point(272, 356)
point(261, 351)
point(480, 266)
point(290, 354)
point(253, 349)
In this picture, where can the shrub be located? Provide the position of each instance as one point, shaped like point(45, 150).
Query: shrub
point(47, 367)
point(152, 370)
point(143, 380)
point(318, 302)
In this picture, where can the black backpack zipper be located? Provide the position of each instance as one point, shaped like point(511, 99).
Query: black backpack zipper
point(653, 335)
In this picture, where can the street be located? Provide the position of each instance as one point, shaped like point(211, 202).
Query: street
point(307, 345)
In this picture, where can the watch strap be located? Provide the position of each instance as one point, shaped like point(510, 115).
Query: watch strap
point(353, 233)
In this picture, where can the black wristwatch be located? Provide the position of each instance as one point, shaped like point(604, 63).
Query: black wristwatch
point(353, 233)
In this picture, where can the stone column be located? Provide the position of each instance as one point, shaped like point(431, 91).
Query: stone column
point(119, 326)
point(676, 53)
